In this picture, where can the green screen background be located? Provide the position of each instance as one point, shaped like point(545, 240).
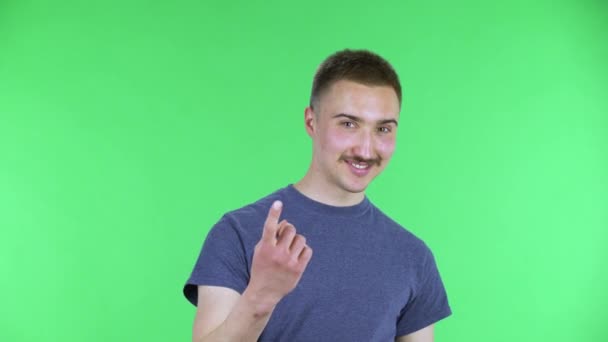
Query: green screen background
point(128, 128)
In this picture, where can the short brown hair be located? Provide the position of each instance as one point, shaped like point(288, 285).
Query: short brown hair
point(361, 66)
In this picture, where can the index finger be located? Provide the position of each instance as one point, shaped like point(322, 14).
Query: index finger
point(272, 221)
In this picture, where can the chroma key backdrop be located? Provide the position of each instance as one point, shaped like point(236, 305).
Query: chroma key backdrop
point(127, 128)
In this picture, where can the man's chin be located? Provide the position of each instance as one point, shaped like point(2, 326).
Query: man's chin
point(356, 188)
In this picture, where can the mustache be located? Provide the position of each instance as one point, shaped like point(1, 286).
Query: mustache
point(357, 159)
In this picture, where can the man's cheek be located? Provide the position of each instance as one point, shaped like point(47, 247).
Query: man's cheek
point(387, 147)
point(341, 141)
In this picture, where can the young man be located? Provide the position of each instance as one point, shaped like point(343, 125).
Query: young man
point(368, 279)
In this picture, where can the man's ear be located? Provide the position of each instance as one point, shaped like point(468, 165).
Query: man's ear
point(310, 122)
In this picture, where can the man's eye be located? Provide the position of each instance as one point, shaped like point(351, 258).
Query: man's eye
point(348, 124)
point(384, 129)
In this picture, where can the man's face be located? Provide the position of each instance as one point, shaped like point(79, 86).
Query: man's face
point(353, 130)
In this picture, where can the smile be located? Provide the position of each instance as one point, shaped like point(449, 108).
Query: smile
point(359, 166)
point(359, 169)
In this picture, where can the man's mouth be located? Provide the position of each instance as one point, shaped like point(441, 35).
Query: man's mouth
point(359, 165)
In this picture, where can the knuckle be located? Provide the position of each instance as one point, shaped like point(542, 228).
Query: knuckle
point(292, 264)
point(291, 228)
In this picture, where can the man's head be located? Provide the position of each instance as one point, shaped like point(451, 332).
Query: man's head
point(360, 66)
point(352, 120)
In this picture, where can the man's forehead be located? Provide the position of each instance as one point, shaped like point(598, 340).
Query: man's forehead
point(357, 99)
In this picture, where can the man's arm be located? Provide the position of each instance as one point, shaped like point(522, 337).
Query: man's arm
point(422, 335)
point(224, 315)
point(279, 260)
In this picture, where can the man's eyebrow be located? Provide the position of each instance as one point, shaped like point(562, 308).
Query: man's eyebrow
point(382, 122)
point(348, 116)
point(356, 119)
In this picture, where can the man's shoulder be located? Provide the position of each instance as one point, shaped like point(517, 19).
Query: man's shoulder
point(255, 210)
point(399, 233)
point(245, 223)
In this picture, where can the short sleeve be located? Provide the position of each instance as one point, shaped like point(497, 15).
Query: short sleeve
point(429, 302)
point(221, 262)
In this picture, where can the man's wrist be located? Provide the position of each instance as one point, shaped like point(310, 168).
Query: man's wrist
point(260, 305)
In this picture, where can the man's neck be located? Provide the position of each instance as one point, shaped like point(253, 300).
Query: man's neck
point(327, 193)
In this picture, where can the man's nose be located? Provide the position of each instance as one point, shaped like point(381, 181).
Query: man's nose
point(365, 145)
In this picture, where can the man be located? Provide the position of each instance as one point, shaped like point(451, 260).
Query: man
point(368, 279)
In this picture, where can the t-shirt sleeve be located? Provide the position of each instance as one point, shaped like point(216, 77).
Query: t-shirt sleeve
point(429, 302)
point(221, 262)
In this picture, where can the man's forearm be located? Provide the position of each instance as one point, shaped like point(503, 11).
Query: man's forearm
point(245, 322)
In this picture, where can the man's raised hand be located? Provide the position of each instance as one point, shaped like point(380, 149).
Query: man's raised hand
point(279, 259)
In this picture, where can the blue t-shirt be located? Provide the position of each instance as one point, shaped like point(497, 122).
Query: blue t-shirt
point(369, 279)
